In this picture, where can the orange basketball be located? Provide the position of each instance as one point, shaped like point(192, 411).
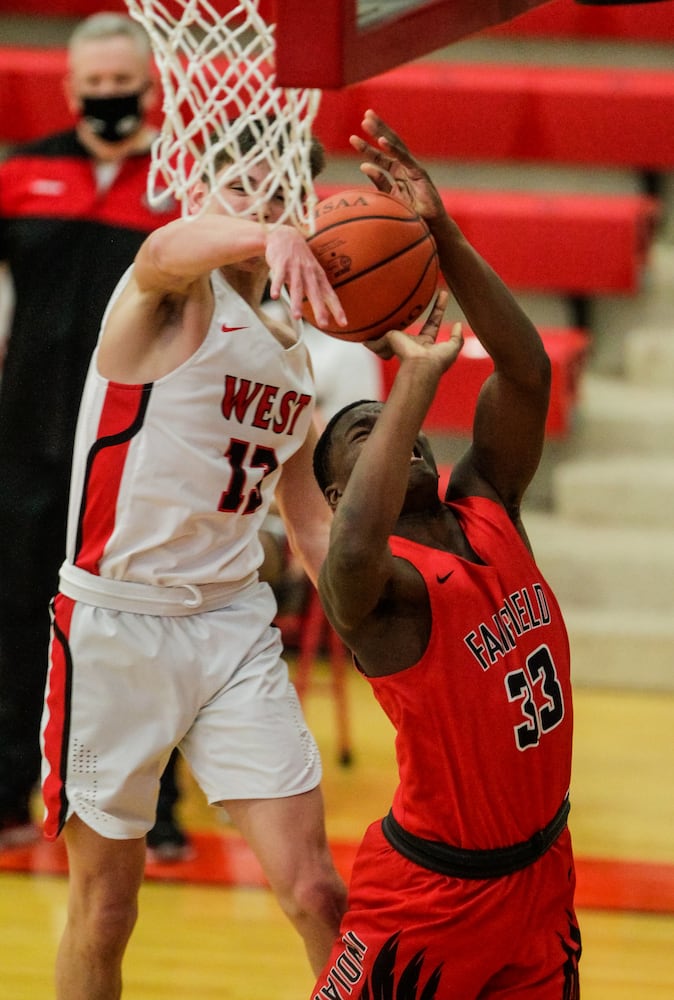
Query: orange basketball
point(379, 257)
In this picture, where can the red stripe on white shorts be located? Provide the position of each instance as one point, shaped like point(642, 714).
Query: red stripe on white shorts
point(56, 729)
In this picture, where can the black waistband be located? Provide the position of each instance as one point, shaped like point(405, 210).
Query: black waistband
point(457, 862)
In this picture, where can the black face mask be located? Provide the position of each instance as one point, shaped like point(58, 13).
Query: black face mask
point(113, 118)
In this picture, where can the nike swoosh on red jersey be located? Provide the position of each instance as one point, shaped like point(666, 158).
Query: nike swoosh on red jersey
point(445, 578)
point(231, 329)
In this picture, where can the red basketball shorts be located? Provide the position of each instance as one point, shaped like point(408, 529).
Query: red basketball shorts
point(413, 934)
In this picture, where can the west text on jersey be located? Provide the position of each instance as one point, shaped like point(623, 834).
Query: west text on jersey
point(258, 405)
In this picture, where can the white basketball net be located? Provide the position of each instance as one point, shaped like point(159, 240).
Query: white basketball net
point(217, 74)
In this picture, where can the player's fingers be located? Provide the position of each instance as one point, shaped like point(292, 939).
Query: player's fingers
point(456, 334)
point(324, 303)
point(335, 307)
point(454, 345)
point(373, 153)
point(376, 127)
point(389, 150)
point(437, 309)
point(456, 338)
point(431, 328)
point(388, 141)
point(381, 180)
point(275, 285)
point(380, 346)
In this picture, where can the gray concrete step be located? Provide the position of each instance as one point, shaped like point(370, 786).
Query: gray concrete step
point(613, 319)
point(617, 417)
point(615, 586)
point(613, 650)
point(626, 490)
point(649, 356)
point(604, 567)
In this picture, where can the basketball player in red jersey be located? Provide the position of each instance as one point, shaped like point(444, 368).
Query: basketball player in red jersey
point(465, 891)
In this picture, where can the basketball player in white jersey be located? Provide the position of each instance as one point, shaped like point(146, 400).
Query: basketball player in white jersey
point(196, 410)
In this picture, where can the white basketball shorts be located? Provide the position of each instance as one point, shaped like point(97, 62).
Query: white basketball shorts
point(125, 688)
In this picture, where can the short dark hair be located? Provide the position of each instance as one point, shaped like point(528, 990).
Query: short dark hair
point(249, 137)
point(323, 449)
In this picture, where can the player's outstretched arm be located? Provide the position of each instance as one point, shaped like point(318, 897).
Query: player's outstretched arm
point(360, 567)
point(509, 425)
point(177, 256)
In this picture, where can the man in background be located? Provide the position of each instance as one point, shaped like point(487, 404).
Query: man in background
point(73, 213)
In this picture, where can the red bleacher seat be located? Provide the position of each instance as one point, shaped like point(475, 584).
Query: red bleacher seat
point(569, 243)
point(32, 101)
point(454, 405)
point(500, 112)
point(612, 117)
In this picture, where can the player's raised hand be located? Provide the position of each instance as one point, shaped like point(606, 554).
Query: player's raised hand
point(425, 344)
point(291, 263)
point(391, 167)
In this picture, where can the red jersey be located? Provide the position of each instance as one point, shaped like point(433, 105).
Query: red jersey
point(484, 718)
point(67, 242)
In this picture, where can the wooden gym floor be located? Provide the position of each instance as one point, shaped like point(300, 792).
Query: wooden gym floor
point(210, 930)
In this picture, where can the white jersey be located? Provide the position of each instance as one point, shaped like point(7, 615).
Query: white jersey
point(172, 480)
